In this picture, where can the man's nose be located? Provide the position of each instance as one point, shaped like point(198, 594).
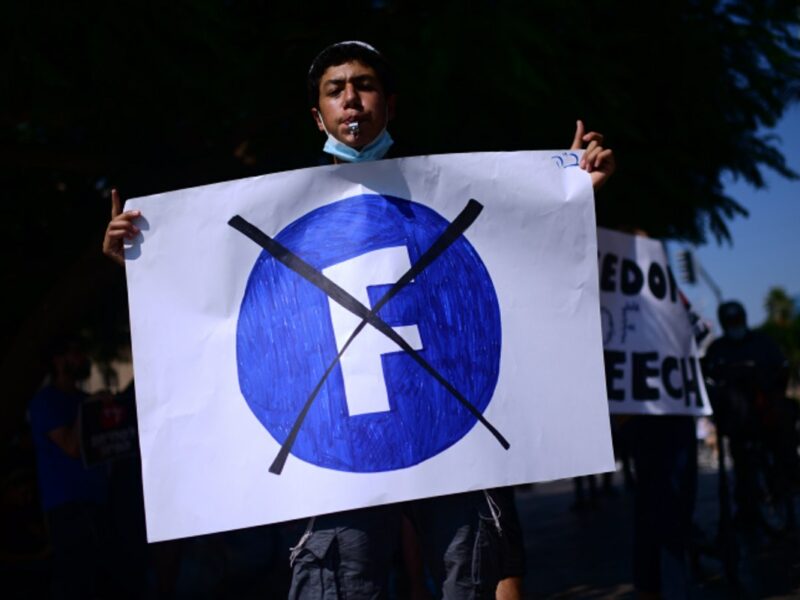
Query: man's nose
point(352, 98)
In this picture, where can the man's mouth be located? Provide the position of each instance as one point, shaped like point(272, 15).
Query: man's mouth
point(353, 127)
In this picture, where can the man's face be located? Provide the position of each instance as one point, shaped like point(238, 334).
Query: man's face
point(351, 92)
point(74, 363)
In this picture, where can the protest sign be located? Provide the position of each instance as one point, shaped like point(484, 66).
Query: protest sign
point(352, 335)
point(651, 359)
point(108, 428)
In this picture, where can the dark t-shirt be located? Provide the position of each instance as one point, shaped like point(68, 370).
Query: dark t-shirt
point(62, 478)
point(749, 377)
point(755, 355)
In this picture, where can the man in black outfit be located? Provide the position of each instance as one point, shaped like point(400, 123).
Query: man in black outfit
point(749, 373)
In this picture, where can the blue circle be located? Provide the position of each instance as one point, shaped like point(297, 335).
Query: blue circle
point(285, 339)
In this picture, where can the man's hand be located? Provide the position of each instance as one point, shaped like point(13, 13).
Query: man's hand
point(119, 229)
point(598, 161)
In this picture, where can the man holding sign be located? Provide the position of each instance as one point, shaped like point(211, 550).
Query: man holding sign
point(352, 94)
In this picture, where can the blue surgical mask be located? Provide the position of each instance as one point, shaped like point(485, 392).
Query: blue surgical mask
point(375, 150)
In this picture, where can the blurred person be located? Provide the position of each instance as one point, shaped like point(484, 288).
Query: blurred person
point(707, 440)
point(664, 453)
point(622, 451)
point(580, 484)
point(663, 449)
point(749, 376)
point(74, 498)
point(352, 96)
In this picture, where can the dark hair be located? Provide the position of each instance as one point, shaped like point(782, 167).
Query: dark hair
point(344, 52)
point(59, 345)
point(731, 313)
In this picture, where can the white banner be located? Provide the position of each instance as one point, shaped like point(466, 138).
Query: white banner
point(352, 335)
point(651, 359)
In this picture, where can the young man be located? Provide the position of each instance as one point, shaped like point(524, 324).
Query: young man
point(352, 97)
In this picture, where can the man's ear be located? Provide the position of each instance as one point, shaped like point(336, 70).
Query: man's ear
point(391, 106)
point(317, 119)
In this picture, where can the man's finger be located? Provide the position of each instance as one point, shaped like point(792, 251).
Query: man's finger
point(120, 231)
point(593, 136)
point(592, 148)
point(587, 159)
point(125, 221)
point(577, 140)
point(604, 156)
point(116, 205)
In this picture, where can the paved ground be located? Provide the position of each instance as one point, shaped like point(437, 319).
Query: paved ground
point(571, 554)
point(586, 554)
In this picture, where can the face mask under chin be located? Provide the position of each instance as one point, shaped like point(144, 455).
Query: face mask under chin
point(375, 150)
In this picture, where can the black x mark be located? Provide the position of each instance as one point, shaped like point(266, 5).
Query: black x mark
point(465, 218)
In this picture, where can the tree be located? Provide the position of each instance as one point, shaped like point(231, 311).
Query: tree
point(780, 307)
point(783, 325)
point(152, 97)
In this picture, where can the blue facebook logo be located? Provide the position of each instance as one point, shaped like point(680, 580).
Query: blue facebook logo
point(377, 409)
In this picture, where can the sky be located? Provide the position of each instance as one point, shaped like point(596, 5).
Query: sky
point(765, 247)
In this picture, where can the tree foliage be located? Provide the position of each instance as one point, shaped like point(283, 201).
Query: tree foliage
point(156, 96)
point(783, 325)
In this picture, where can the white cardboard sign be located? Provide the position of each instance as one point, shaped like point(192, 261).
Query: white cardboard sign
point(352, 335)
point(651, 359)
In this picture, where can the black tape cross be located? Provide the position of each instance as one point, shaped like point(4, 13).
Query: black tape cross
point(465, 218)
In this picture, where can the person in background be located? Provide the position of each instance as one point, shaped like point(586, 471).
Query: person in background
point(749, 375)
point(73, 497)
point(664, 453)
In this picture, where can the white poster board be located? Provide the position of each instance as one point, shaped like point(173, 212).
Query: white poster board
point(483, 369)
point(651, 359)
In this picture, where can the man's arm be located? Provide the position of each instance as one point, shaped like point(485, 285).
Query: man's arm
point(598, 161)
point(53, 417)
point(67, 437)
point(119, 229)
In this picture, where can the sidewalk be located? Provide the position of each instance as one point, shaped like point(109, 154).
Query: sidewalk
point(587, 554)
point(570, 554)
